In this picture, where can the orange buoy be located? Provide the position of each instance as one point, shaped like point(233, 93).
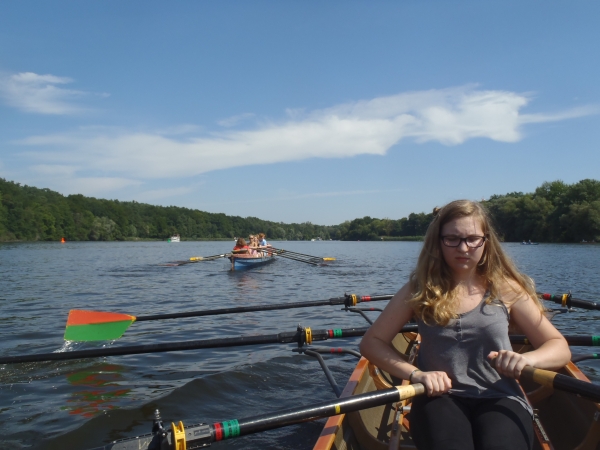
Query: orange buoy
point(63, 240)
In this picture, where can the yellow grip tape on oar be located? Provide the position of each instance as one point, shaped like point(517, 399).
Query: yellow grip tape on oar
point(539, 376)
point(196, 258)
point(563, 302)
point(178, 433)
point(410, 390)
point(337, 409)
point(308, 333)
point(328, 259)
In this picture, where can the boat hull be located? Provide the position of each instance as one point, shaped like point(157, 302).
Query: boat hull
point(564, 421)
point(244, 262)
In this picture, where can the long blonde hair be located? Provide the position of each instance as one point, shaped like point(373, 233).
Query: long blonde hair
point(434, 298)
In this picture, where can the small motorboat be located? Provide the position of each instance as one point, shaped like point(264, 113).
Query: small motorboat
point(174, 238)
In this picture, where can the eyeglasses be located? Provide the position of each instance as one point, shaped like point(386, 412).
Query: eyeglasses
point(471, 241)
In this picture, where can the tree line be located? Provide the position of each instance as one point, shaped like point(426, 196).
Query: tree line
point(31, 214)
point(555, 212)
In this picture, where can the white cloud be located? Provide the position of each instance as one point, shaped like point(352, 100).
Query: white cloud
point(91, 185)
point(72, 184)
point(449, 116)
point(572, 113)
point(54, 169)
point(159, 194)
point(40, 94)
point(287, 196)
point(182, 129)
point(235, 120)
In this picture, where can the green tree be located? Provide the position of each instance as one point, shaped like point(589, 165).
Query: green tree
point(582, 222)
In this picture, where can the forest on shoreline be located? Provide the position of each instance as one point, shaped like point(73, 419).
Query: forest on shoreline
point(555, 212)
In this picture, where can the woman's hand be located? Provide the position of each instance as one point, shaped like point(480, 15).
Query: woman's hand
point(509, 364)
point(436, 383)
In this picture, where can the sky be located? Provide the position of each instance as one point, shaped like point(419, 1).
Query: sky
point(299, 111)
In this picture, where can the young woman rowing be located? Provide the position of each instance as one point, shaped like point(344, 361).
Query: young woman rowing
point(464, 294)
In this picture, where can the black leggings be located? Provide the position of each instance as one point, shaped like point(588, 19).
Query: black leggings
point(454, 423)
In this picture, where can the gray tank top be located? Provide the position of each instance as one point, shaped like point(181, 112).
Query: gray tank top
point(460, 349)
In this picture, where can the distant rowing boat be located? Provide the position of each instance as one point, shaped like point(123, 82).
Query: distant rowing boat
point(246, 261)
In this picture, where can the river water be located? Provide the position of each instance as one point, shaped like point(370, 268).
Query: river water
point(82, 404)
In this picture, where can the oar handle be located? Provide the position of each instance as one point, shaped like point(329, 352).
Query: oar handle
point(562, 382)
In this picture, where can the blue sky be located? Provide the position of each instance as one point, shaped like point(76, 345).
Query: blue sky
point(299, 111)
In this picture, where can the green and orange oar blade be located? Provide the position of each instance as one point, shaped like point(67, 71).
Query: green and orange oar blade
point(96, 326)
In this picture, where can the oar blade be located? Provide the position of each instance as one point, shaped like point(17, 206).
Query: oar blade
point(96, 326)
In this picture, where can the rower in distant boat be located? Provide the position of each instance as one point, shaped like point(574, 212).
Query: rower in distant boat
point(263, 244)
point(262, 241)
point(241, 247)
point(253, 245)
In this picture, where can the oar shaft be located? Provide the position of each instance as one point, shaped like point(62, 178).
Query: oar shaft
point(574, 340)
point(244, 309)
point(326, 409)
point(294, 253)
point(298, 336)
point(562, 382)
point(204, 434)
point(138, 349)
point(301, 258)
point(208, 258)
point(577, 358)
point(245, 340)
point(286, 254)
point(314, 263)
point(197, 259)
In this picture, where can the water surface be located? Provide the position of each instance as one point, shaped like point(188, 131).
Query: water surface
point(86, 403)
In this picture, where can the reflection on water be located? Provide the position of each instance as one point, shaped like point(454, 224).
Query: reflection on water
point(85, 403)
point(104, 379)
point(246, 281)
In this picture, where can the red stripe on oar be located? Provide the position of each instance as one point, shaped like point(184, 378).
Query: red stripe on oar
point(218, 431)
point(82, 317)
point(547, 296)
point(366, 298)
point(330, 333)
